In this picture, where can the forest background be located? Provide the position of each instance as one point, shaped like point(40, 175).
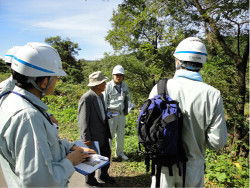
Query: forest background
point(144, 35)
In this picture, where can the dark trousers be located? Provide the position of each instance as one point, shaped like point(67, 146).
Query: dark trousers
point(103, 172)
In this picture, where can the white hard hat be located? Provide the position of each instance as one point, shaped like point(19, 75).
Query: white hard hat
point(118, 69)
point(191, 49)
point(36, 60)
point(10, 53)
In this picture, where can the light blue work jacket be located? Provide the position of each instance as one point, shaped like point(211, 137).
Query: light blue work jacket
point(31, 153)
point(117, 101)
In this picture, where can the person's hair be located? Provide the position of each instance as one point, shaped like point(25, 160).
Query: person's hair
point(22, 80)
point(192, 66)
point(8, 65)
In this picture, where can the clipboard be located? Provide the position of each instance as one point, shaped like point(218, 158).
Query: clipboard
point(97, 161)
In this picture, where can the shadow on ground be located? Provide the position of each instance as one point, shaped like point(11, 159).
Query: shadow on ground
point(135, 181)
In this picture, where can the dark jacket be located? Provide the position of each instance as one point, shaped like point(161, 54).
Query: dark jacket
point(91, 124)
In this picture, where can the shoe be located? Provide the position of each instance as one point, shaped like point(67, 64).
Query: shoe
point(108, 179)
point(123, 156)
point(94, 184)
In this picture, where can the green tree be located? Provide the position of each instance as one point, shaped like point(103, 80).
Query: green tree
point(225, 25)
point(3, 67)
point(137, 28)
point(67, 50)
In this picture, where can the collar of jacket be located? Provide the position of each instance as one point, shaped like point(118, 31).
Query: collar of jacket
point(31, 97)
point(188, 74)
point(113, 84)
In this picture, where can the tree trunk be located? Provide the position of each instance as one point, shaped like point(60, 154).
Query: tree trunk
point(241, 65)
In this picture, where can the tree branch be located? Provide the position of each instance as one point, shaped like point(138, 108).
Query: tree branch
point(215, 30)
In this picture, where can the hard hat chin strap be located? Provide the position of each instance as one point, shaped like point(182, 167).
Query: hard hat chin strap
point(32, 80)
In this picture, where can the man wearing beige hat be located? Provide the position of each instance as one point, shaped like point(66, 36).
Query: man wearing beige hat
point(93, 124)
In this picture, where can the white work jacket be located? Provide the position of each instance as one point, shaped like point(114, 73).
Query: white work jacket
point(204, 121)
point(114, 100)
point(31, 153)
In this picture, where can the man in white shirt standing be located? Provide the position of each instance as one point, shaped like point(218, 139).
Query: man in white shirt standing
point(117, 97)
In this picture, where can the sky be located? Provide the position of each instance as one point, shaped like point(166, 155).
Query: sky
point(85, 22)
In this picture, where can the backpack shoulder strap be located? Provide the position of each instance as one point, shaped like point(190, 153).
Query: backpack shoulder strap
point(162, 88)
point(158, 176)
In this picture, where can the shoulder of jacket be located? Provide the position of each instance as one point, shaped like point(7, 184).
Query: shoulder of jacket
point(124, 85)
point(87, 95)
point(109, 84)
point(202, 86)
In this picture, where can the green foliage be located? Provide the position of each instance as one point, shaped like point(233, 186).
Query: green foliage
point(66, 115)
point(225, 170)
point(227, 84)
point(64, 107)
point(3, 67)
point(4, 76)
point(139, 28)
point(131, 120)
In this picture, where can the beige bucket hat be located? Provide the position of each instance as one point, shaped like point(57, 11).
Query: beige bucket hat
point(96, 78)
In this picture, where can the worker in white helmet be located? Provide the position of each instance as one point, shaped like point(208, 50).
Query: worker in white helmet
point(31, 153)
point(9, 83)
point(117, 97)
point(204, 122)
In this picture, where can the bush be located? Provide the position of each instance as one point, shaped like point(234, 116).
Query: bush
point(225, 170)
point(4, 76)
point(64, 105)
point(131, 120)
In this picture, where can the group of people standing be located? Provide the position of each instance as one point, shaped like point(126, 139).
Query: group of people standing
point(31, 152)
point(101, 116)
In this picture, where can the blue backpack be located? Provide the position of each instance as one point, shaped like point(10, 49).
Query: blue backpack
point(159, 128)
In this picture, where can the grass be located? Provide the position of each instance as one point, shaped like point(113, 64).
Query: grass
point(127, 175)
point(131, 173)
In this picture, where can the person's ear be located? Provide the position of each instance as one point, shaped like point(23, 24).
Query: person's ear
point(43, 84)
point(177, 62)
